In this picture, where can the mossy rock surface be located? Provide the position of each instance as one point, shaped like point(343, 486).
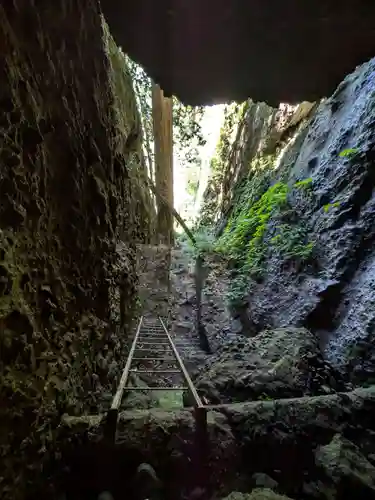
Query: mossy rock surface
point(346, 469)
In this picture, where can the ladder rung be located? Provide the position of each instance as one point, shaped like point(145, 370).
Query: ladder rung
point(155, 359)
point(145, 334)
point(156, 388)
point(155, 371)
point(150, 336)
point(150, 349)
point(154, 343)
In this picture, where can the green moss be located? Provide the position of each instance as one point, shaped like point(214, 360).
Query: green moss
point(244, 235)
point(348, 152)
point(292, 242)
point(247, 237)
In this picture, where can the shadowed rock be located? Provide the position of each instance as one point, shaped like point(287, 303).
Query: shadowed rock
point(220, 50)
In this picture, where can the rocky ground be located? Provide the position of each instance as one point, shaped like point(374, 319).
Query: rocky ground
point(281, 421)
point(318, 448)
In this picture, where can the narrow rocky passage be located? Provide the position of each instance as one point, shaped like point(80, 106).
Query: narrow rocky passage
point(167, 290)
point(276, 324)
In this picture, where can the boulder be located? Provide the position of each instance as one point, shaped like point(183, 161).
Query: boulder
point(262, 480)
point(280, 363)
point(279, 438)
point(349, 473)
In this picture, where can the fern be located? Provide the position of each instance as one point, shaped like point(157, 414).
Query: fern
point(304, 184)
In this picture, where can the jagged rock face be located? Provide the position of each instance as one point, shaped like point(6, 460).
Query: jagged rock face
point(275, 364)
point(336, 296)
point(65, 192)
point(286, 51)
point(257, 138)
point(333, 295)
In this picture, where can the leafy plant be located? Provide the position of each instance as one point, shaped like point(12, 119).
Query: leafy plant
point(304, 184)
point(328, 206)
point(348, 152)
point(292, 242)
point(187, 121)
point(245, 239)
point(244, 234)
point(205, 241)
point(238, 289)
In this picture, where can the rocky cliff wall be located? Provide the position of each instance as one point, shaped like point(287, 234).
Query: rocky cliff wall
point(252, 136)
point(298, 229)
point(69, 149)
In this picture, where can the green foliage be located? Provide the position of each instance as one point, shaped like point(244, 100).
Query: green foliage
point(291, 242)
point(192, 186)
point(187, 128)
point(348, 152)
point(238, 289)
point(327, 207)
point(243, 236)
point(304, 184)
point(187, 131)
point(205, 240)
point(246, 239)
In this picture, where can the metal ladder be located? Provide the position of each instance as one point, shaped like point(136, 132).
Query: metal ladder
point(154, 336)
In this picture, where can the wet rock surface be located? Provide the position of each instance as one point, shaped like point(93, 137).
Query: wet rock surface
point(257, 494)
point(336, 298)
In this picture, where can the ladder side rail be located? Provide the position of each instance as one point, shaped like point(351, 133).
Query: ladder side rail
point(189, 382)
point(125, 374)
